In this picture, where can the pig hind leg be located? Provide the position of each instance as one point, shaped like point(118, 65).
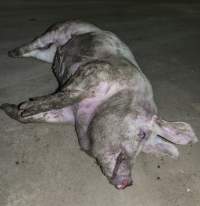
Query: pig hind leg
point(42, 48)
point(43, 54)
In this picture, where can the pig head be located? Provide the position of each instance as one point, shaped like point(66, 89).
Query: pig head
point(118, 133)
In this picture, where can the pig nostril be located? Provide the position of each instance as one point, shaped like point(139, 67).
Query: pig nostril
point(120, 187)
point(124, 184)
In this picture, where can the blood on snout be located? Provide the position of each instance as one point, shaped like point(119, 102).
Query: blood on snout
point(124, 183)
point(121, 182)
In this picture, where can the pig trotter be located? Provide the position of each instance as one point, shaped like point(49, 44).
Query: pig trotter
point(15, 53)
point(12, 111)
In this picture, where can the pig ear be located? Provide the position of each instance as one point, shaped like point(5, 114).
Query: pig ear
point(176, 132)
point(158, 146)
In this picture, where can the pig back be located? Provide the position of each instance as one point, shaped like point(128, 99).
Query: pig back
point(83, 48)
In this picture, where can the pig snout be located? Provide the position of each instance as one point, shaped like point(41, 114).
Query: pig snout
point(121, 182)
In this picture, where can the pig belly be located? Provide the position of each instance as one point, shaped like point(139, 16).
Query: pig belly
point(86, 110)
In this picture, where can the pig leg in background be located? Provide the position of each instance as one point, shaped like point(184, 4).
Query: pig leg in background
point(64, 115)
point(42, 48)
point(43, 42)
point(45, 54)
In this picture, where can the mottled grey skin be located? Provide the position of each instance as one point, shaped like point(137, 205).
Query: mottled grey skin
point(45, 46)
point(104, 94)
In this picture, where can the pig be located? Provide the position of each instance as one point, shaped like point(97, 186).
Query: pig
point(102, 92)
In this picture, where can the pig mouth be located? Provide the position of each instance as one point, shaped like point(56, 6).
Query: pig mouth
point(120, 181)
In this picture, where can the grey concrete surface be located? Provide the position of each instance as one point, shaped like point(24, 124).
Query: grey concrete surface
point(41, 164)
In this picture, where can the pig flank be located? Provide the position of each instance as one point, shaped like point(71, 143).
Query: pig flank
point(104, 94)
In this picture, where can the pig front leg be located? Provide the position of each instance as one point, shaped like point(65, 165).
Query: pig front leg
point(64, 115)
point(55, 101)
point(39, 107)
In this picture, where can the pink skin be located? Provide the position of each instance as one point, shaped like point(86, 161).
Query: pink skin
point(123, 184)
point(86, 108)
point(64, 115)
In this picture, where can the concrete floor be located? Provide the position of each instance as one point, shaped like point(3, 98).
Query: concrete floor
point(41, 164)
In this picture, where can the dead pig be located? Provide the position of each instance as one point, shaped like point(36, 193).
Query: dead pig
point(105, 95)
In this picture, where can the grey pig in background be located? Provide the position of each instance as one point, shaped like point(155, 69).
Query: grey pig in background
point(104, 94)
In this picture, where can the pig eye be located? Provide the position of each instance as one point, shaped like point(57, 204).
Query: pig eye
point(142, 134)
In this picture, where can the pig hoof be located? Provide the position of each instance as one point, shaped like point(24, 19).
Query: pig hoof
point(11, 110)
point(15, 53)
point(23, 106)
point(26, 105)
